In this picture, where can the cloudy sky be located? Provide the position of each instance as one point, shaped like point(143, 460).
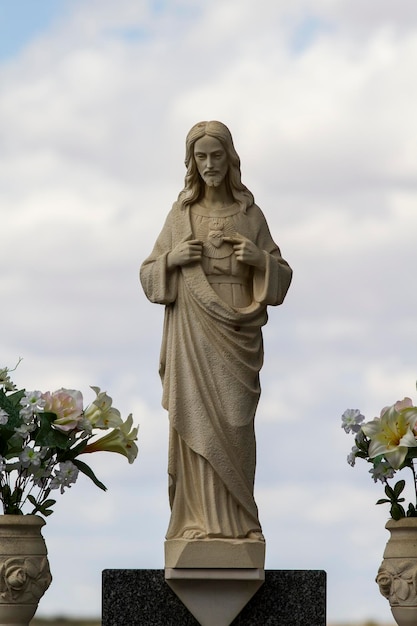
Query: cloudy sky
point(96, 98)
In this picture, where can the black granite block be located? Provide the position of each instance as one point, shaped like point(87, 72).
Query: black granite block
point(143, 598)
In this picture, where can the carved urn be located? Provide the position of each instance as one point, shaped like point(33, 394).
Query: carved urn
point(397, 576)
point(24, 568)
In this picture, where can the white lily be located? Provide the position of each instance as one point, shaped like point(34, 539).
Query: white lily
point(392, 434)
point(101, 413)
point(120, 440)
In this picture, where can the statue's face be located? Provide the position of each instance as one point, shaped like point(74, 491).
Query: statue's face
point(211, 159)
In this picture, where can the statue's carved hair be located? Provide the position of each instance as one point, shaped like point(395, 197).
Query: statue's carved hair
point(193, 183)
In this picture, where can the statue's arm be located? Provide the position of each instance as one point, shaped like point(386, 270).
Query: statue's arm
point(271, 283)
point(159, 279)
point(270, 286)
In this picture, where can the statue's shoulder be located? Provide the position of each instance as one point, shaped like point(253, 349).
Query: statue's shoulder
point(178, 211)
point(174, 214)
point(175, 209)
point(177, 222)
point(255, 213)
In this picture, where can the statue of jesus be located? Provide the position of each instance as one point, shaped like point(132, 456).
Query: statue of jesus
point(216, 268)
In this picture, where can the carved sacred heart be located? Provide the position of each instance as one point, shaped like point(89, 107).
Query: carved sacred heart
point(216, 232)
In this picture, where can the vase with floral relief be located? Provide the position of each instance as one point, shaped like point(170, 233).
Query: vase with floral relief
point(24, 568)
point(397, 575)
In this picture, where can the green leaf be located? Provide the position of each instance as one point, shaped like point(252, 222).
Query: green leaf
point(11, 402)
point(362, 455)
point(377, 459)
point(11, 405)
point(363, 447)
point(85, 469)
point(12, 500)
point(47, 436)
point(399, 487)
point(12, 510)
point(390, 492)
point(397, 511)
point(383, 501)
point(42, 507)
point(16, 397)
point(48, 503)
point(69, 455)
point(5, 492)
point(16, 496)
point(411, 511)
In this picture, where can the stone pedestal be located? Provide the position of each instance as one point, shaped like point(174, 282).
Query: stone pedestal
point(215, 596)
point(143, 598)
point(228, 553)
point(215, 578)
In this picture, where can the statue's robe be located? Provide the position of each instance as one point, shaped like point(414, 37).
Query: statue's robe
point(211, 355)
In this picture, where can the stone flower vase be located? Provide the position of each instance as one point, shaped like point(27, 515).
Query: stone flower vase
point(24, 568)
point(397, 576)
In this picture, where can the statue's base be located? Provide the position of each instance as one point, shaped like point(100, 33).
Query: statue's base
point(215, 553)
point(214, 596)
point(143, 598)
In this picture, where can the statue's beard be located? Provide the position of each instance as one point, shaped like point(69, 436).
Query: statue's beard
point(213, 180)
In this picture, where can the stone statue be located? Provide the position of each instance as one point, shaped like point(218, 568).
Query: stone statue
point(215, 268)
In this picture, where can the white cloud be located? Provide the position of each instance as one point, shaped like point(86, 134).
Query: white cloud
point(93, 121)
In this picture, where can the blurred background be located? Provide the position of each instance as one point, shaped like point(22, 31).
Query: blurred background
point(96, 98)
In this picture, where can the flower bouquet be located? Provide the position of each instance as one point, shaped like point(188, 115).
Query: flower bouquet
point(389, 443)
point(42, 436)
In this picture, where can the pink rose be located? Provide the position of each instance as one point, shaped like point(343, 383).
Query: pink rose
point(67, 404)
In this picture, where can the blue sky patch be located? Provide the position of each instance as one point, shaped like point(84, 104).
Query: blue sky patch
point(23, 21)
point(131, 34)
point(307, 32)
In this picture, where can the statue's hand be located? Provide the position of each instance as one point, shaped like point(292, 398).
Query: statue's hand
point(246, 251)
point(185, 253)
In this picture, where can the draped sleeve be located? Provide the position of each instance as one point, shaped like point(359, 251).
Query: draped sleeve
point(270, 285)
point(160, 284)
